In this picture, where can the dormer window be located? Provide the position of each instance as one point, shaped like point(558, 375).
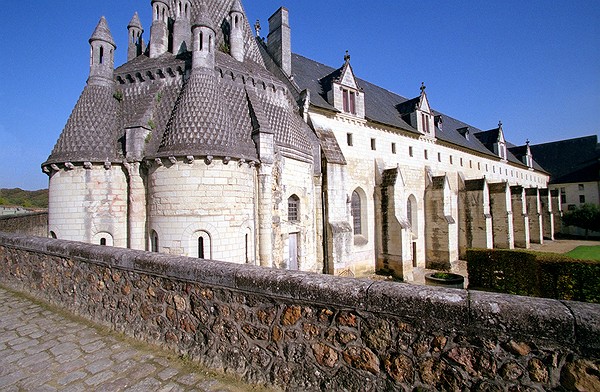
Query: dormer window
point(425, 122)
point(343, 90)
point(349, 98)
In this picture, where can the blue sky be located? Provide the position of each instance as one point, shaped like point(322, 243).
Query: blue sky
point(534, 64)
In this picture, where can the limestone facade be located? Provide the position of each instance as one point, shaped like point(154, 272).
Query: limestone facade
point(228, 147)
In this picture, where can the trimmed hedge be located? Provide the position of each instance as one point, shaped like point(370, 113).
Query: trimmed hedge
point(534, 274)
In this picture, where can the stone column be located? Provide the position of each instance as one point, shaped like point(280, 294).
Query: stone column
point(440, 246)
point(534, 212)
point(475, 220)
point(502, 219)
point(547, 214)
point(136, 207)
point(265, 215)
point(520, 218)
point(135, 145)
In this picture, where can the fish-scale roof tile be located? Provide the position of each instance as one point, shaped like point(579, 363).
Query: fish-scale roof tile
point(91, 131)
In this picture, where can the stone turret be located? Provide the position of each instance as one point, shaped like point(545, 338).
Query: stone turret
point(279, 41)
point(236, 38)
point(159, 32)
point(102, 55)
point(136, 42)
point(182, 30)
point(203, 40)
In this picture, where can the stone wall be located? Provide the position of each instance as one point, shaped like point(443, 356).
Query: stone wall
point(302, 331)
point(35, 224)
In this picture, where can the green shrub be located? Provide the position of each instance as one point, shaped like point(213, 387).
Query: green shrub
point(534, 274)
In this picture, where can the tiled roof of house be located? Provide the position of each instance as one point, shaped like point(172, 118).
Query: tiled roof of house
point(572, 160)
point(383, 106)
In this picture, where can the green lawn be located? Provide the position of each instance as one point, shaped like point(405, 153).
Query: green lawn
point(585, 253)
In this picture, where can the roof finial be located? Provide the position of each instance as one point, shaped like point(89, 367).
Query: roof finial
point(257, 27)
point(500, 124)
point(423, 87)
point(527, 142)
point(347, 57)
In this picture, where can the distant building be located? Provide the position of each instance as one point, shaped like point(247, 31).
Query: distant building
point(213, 143)
point(13, 210)
point(574, 167)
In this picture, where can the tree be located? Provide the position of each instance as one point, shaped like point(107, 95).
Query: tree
point(586, 217)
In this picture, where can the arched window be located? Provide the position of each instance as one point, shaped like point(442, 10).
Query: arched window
point(101, 59)
point(154, 242)
point(103, 238)
point(53, 235)
point(210, 43)
point(356, 208)
point(200, 41)
point(201, 247)
point(294, 209)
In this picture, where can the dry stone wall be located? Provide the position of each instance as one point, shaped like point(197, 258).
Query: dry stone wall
point(310, 332)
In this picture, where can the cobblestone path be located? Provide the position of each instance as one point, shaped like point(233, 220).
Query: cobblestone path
point(44, 349)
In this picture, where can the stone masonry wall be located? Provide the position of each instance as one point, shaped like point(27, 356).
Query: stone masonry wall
point(309, 332)
point(35, 224)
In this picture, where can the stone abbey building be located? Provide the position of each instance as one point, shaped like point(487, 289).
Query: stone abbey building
point(211, 142)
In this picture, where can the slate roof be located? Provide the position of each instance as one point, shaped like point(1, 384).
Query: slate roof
point(383, 106)
point(488, 138)
point(571, 160)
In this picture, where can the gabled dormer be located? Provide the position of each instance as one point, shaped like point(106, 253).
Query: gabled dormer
point(417, 112)
point(500, 145)
point(344, 92)
point(494, 140)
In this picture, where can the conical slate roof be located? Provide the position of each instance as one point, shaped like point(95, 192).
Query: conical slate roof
point(202, 123)
point(237, 6)
point(90, 133)
point(102, 33)
point(135, 22)
point(203, 18)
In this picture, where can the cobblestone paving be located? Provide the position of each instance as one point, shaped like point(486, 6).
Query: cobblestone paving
point(43, 349)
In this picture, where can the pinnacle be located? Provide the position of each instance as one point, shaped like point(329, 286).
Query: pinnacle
point(135, 22)
point(102, 33)
point(237, 6)
point(203, 18)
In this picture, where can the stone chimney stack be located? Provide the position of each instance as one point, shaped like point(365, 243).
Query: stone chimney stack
point(236, 39)
point(182, 28)
point(279, 40)
point(136, 42)
point(159, 32)
point(102, 55)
